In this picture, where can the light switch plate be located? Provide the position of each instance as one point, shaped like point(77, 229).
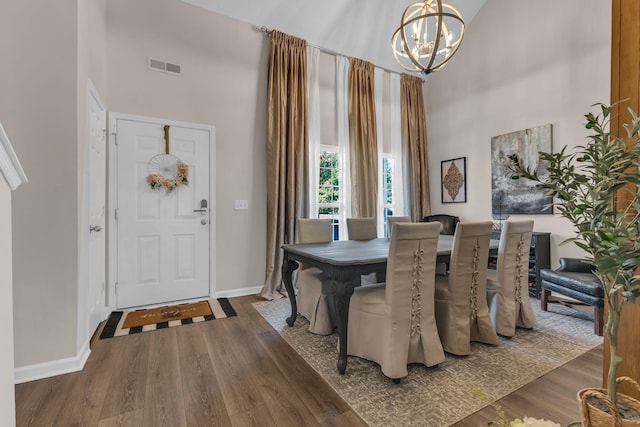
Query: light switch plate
point(241, 205)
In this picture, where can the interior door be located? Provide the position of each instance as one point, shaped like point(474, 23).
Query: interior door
point(96, 116)
point(162, 237)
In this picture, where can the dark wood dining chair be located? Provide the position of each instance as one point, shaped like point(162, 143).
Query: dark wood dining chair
point(449, 222)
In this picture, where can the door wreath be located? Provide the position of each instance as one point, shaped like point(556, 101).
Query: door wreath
point(166, 171)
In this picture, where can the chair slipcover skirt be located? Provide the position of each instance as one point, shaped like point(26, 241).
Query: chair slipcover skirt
point(314, 298)
point(393, 324)
point(508, 285)
point(460, 296)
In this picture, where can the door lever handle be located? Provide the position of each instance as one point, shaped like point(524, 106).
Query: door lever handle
point(95, 228)
point(203, 207)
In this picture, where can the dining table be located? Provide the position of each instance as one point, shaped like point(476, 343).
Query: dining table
point(345, 261)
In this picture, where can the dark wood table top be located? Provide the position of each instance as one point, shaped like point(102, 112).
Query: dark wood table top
point(354, 252)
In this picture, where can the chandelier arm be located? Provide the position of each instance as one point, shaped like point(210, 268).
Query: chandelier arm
point(406, 47)
point(436, 45)
point(396, 34)
point(440, 65)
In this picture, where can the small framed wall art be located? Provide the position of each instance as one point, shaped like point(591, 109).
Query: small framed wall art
point(453, 176)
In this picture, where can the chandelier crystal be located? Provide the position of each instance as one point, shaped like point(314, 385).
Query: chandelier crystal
point(430, 33)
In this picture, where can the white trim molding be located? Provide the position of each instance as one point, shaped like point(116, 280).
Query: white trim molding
point(238, 292)
point(52, 368)
point(9, 164)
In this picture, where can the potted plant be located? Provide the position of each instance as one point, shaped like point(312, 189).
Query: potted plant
point(585, 184)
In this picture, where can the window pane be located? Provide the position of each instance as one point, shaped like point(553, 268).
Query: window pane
point(329, 189)
point(387, 180)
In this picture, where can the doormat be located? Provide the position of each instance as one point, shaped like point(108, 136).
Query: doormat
point(133, 322)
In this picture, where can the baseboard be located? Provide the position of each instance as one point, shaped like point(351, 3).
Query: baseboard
point(38, 371)
point(238, 292)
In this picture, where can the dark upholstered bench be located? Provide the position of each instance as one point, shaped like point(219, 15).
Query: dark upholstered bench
point(574, 279)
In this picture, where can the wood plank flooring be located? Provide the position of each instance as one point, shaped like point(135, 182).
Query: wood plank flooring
point(238, 372)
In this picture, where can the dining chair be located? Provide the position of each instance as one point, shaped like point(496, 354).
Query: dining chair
point(508, 284)
point(393, 323)
point(395, 219)
point(314, 298)
point(461, 308)
point(448, 222)
point(362, 228)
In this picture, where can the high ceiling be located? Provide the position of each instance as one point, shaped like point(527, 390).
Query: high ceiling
point(358, 28)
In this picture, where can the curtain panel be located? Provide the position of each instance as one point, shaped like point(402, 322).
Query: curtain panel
point(286, 151)
point(362, 139)
point(414, 143)
point(342, 129)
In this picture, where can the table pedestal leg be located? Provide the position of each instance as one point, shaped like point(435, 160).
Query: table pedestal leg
point(342, 296)
point(288, 268)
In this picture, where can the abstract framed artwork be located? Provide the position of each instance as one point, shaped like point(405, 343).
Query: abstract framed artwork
point(519, 196)
point(453, 176)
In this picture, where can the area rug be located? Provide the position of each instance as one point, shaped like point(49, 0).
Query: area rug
point(132, 322)
point(442, 395)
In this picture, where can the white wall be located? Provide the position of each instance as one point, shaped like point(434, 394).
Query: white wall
point(38, 107)
point(53, 50)
point(521, 64)
point(224, 80)
point(7, 394)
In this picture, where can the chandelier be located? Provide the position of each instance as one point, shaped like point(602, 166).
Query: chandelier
point(430, 33)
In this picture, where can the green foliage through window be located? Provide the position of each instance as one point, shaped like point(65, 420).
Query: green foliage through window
point(329, 184)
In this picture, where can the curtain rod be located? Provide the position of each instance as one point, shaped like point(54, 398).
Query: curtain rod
point(267, 31)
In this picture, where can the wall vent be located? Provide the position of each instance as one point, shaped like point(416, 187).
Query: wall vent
point(165, 67)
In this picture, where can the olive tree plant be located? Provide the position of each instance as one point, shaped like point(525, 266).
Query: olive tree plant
point(585, 184)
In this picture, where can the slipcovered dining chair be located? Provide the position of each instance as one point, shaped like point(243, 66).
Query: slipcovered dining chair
point(461, 308)
point(362, 228)
point(314, 298)
point(508, 284)
point(393, 324)
point(395, 219)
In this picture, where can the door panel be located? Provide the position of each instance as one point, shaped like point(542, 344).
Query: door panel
point(162, 244)
point(97, 196)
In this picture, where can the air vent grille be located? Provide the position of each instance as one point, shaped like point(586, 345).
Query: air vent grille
point(165, 67)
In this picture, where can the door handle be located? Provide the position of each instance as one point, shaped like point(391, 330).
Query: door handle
point(95, 228)
point(203, 207)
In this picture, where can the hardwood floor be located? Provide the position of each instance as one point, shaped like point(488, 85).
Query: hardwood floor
point(238, 372)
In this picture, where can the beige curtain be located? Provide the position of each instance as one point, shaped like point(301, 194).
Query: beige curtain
point(414, 145)
point(363, 145)
point(286, 150)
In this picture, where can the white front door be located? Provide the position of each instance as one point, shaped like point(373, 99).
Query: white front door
point(162, 238)
point(97, 123)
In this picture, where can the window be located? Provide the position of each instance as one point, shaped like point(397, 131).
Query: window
point(329, 203)
point(329, 187)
